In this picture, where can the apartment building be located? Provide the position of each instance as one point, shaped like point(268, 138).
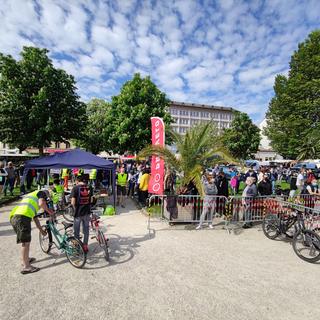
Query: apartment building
point(187, 115)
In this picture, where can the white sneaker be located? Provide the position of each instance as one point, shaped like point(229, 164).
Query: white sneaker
point(210, 226)
point(198, 227)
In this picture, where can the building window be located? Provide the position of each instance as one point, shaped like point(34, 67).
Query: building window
point(194, 113)
point(184, 113)
point(182, 130)
point(204, 114)
point(174, 111)
point(184, 121)
point(194, 121)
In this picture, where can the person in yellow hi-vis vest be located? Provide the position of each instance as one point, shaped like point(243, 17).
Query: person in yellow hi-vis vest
point(20, 219)
point(65, 177)
point(93, 177)
point(122, 178)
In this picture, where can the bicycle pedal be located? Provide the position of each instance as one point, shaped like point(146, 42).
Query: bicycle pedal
point(93, 237)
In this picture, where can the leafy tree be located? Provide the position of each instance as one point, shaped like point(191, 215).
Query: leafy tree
point(128, 121)
point(38, 103)
point(198, 149)
point(93, 138)
point(242, 139)
point(293, 117)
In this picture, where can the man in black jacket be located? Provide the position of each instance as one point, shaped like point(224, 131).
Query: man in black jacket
point(264, 186)
point(223, 191)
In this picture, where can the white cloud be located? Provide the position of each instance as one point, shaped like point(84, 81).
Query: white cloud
point(227, 52)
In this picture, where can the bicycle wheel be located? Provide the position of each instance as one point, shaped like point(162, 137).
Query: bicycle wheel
point(68, 213)
point(270, 226)
point(306, 245)
point(104, 245)
point(291, 229)
point(75, 253)
point(45, 241)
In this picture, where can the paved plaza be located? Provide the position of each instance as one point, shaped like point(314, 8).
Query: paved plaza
point(169, 273)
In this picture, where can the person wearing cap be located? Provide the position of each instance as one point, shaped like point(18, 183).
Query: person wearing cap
point(20, 219)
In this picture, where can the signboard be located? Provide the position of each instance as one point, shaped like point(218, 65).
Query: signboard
point(157, 164)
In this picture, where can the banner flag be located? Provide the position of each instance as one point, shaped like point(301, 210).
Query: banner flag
point(157, 164)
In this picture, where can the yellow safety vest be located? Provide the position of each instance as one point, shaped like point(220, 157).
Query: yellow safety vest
point(64, 173)
point(93, 174)
point(56, 196)
point(28, 206)
point(122, 179)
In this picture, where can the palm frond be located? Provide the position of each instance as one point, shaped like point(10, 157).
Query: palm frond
point(162, 152)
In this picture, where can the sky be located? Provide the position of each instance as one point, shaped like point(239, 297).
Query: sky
point(224, 53)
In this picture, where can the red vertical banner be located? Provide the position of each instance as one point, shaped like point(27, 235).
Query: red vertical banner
point(157, 164)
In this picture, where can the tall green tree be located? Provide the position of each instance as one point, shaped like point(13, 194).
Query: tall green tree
point(200, 148)
point(38, 103)
point(242, 139)
point(128, 122)
point(93, 138)
point(293, 116)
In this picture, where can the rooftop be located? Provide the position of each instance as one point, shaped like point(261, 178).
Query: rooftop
point(197, 105)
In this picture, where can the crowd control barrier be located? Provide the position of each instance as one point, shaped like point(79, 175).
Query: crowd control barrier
point(235, 210)
point(186, 208)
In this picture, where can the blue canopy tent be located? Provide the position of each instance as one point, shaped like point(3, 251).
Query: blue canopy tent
point(74, 159)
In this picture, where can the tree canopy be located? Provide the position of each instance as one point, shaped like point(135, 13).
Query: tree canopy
point(38, 102)
point(128, 126)
point(93, 137)
point(242, 139)
point(293, 117)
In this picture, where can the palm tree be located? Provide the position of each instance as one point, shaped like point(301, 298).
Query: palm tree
point(198, 149)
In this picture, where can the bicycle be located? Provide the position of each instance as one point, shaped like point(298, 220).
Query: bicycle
point(274, 225)
point(68, 244)
point(99, 235)
point(306, 242)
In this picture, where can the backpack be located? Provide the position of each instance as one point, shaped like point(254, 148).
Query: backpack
point(83, 195)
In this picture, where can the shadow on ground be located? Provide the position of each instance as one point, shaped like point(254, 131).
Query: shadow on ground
point(121, 249)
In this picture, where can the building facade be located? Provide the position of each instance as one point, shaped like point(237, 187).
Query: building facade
point(186, 115)
point(265, 152)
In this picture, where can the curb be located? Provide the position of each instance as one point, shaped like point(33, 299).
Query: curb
point(8, 201)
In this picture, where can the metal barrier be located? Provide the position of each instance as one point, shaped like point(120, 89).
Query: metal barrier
point(186, 208)
point(307, 200)
point(311, 215)
point(235, 209)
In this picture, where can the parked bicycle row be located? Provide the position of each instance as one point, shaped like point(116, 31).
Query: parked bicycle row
point(298, 223)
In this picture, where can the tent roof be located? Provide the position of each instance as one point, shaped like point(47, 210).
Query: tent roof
point(70, 159)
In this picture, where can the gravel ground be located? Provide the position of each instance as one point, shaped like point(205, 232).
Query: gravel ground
point(171, 273)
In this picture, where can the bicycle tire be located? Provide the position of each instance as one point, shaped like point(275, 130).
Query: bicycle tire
point(270, 226)
point(45, 241)
point(310, 241)
point(75, 253)
point(103, 244)
point(68, 214)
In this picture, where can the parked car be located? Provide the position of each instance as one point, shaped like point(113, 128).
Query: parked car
point(307, 166)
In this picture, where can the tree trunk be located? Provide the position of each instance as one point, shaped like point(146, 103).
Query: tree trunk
point(40, 151)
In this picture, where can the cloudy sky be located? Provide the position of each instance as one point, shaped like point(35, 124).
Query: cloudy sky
point(223, 52)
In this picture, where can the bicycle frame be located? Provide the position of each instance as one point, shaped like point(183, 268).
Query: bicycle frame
point(61, 242)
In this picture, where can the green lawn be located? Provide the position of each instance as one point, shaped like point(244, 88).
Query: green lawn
point(16, 192)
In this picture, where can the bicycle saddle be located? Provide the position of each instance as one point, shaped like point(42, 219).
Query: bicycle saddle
point(67, 225)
